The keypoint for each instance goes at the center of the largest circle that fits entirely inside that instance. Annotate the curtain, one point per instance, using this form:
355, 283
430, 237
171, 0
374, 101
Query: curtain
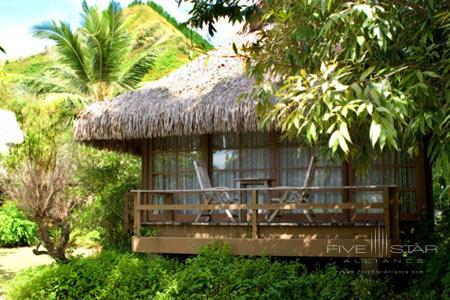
393, 169
293, 162
173, 167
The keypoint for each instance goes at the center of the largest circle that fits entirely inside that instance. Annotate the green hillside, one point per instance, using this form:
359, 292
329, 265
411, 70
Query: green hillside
151, 29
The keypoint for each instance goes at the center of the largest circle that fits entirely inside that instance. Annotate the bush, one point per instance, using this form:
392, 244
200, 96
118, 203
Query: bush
109, 275
15, 229
213, 274
216, 274
106, 177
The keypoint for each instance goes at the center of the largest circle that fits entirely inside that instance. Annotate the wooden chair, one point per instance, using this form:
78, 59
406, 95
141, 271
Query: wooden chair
214, 197
298, 197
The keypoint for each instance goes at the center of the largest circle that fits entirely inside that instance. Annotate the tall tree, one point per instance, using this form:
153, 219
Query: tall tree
353, 77
93, 58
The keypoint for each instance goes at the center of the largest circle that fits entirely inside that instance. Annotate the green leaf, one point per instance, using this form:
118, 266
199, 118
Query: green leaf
235, 50
360, 39
374, 132
366, 9
312, 133
342, 143
138, 70
357, 89
344, 130
431, 74
366, 73
370, 108
334, 142
361, 109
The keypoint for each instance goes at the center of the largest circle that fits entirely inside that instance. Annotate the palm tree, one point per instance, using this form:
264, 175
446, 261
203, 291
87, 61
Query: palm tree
92, 58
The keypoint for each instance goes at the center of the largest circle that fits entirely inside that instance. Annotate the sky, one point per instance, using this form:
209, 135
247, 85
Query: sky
18, 16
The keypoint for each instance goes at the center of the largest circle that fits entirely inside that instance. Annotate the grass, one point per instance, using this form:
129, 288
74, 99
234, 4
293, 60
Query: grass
27, 67
13, 260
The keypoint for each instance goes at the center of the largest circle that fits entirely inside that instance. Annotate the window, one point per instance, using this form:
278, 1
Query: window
225, 159
173, 166
293, 162
392, 169
237, 156
252, 155
255, 157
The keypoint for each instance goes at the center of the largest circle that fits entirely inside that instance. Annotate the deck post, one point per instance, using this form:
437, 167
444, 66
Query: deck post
137, 214
254, 215
126, 213
394, 209
169, 200
387, 217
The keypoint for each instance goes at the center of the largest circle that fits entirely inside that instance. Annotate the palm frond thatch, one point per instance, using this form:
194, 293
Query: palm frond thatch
201, 97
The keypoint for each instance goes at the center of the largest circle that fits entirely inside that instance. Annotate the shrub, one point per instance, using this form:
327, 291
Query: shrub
15, 229
216, 274
213, 274
109, 275
106, 177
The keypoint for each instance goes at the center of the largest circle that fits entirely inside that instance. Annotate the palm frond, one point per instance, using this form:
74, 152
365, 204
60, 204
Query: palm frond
2, 50
133, 76
107, 41
67, 75
42, 86
68, 44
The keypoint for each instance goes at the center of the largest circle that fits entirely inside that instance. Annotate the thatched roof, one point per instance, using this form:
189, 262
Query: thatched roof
204, 96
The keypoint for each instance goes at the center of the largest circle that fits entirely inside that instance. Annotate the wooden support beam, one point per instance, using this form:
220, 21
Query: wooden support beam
387, 218
394, 209
255, 215
137, 214
169, 200
274, 247
288, 206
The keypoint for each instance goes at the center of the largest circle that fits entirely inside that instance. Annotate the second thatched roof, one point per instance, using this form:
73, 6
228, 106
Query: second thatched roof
204, 96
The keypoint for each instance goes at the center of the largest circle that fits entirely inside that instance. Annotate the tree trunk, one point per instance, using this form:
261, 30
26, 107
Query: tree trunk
56, 251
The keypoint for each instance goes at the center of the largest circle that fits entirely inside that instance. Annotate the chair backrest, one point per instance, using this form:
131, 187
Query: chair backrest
309, 178
202, 175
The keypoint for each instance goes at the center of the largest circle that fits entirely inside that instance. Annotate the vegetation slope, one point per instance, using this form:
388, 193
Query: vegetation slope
149, 26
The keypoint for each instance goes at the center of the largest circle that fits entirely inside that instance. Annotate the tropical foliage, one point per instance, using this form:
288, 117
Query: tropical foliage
41, 179
92, 58
15, 229
213, 274
379, 66
196, 39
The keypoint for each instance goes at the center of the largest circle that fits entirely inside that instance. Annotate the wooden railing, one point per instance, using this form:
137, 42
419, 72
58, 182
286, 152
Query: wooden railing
389, 205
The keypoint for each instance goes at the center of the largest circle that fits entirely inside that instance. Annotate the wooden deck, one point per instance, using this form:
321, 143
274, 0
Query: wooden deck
344, 234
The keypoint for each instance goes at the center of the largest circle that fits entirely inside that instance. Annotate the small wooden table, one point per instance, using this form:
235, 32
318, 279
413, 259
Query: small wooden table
243, 182
248, 181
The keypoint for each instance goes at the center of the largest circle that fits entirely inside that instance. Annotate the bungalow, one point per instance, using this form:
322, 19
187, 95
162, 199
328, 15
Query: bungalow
196, 132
